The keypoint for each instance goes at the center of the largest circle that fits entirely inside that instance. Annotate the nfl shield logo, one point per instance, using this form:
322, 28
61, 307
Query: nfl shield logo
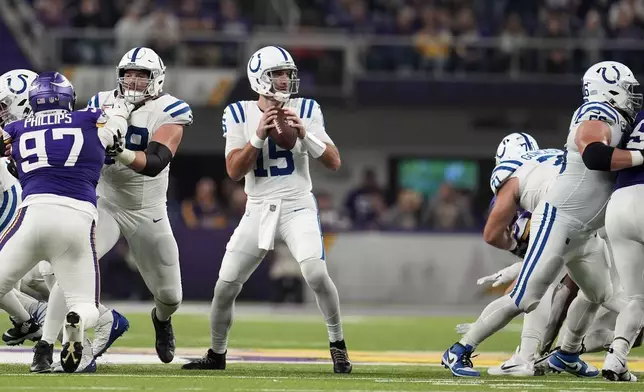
273, 207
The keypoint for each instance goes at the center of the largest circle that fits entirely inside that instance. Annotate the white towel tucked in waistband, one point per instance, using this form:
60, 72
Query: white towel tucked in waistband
268, 220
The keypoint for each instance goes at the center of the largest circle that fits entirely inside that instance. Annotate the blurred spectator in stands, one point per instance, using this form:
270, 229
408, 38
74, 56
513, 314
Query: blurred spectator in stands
194, 17
330, 218
52, 13
405, 214
286, 276
556, 59
228, 187
237, 206
465, 56
448, 210
130, 30
624, 27
634, 8
433, 41
163, 34
231, 23
512, 40
366, 204
203, 211
593, 34
406, 58
90, 16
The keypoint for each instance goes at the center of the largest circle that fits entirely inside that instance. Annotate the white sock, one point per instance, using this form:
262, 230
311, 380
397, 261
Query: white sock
494, 317
326, 296
580, 314
15, 309
55, 318
221, 314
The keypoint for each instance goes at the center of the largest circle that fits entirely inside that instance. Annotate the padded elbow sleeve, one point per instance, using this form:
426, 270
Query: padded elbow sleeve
158, 156
598, 156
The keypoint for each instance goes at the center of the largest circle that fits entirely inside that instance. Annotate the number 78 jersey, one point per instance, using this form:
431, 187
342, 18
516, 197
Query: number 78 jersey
121, 185
277, 173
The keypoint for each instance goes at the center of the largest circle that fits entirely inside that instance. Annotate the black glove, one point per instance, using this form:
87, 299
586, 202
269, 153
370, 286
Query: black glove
522, 248
116, 148
13, 169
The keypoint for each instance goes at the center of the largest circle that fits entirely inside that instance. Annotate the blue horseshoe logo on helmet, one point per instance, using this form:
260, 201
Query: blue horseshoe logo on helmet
609, 81
259, 63
22, 77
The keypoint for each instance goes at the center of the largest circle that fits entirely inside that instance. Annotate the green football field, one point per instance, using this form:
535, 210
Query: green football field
289, 352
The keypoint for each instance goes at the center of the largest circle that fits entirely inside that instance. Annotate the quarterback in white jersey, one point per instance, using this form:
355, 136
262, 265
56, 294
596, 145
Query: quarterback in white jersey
134, 180
564, 222
280, 202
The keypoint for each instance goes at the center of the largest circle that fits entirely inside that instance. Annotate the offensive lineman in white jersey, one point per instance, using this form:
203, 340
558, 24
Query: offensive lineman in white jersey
280, 202
133, 185
566, 218
534, 172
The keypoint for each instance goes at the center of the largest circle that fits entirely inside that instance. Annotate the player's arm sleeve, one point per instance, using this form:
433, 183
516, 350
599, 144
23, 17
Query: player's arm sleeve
311, 109
232, 124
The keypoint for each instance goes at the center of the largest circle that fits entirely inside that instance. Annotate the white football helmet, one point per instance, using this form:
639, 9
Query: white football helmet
14, 95
514, 145
144, 59
614, 83
261, 66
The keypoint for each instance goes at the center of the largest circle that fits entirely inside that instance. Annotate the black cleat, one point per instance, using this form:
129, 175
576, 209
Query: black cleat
210, 361
341, 362
72, 352
30, 329
165, 342
43, 358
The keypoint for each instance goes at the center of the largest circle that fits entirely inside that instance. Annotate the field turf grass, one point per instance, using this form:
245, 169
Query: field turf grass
395, 353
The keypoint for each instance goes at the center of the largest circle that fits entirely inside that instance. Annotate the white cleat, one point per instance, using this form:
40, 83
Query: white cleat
615, 369
515, 366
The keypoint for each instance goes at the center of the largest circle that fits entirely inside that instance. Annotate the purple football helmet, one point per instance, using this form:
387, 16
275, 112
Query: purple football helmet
51, 91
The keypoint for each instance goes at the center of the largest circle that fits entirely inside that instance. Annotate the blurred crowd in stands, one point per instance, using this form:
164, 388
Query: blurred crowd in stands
443, 35
365, 207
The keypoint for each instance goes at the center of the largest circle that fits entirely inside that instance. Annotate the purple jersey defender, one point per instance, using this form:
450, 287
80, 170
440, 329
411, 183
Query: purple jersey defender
633, 175
58, 153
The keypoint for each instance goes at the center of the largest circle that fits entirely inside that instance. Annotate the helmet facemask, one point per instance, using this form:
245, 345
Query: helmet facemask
5, 110
135, 89
633, 102
281, 88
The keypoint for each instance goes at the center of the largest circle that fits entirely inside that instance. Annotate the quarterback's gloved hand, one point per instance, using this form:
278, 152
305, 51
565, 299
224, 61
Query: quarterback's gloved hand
506, 275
